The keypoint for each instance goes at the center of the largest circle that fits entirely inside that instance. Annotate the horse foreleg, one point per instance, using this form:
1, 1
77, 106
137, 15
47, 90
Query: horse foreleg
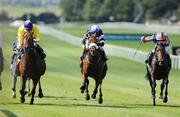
166, 91
83, 86
86, 90
154, 91
162, 88
29, 88
22, 90
95, 89
100, 93
14, 80
40, 90
33, 91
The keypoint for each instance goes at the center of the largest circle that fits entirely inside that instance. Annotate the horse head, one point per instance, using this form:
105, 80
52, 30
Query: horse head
28, 41
93, 49
160, 53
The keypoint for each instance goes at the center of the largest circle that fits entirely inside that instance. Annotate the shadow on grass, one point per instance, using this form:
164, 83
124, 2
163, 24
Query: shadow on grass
79, 103
61, 97
8, 113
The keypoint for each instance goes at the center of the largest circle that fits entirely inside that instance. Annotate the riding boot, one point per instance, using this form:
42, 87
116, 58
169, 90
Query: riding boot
40, 51
20, 53
103, 54
82, 56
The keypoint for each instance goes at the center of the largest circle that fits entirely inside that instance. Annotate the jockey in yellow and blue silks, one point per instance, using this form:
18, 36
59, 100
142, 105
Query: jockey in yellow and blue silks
161, 37
17, 45
30, 27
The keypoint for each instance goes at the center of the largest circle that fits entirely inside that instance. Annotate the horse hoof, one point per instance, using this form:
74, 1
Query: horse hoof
31, 102
29, 94
165, 100
22, 100
82, 88
25, 92
87, 97
14, 96
93, 96
100, 100
160, 97
40, 95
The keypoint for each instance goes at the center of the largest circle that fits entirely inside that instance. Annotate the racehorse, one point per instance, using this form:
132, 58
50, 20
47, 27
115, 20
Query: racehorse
94, 67
1, 66
30, 66
159, 70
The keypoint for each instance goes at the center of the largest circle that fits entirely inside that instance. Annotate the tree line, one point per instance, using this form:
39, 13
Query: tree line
119, 10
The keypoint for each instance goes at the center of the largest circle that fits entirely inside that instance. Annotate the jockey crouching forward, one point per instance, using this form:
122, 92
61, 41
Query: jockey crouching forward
100, 38
17, 45
161, 37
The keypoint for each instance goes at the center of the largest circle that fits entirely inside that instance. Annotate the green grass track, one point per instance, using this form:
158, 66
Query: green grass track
126, 92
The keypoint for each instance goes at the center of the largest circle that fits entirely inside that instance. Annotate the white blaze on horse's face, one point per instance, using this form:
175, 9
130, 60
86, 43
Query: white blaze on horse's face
92, 48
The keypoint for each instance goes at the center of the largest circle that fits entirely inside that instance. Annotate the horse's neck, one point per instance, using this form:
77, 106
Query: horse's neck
92, 59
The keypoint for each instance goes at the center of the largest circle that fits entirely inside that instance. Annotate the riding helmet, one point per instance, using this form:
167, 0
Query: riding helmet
94, 29
28, 25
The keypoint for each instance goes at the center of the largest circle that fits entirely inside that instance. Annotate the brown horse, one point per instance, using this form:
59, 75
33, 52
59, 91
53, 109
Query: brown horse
159, 69
30, 66
1, 66
94, 67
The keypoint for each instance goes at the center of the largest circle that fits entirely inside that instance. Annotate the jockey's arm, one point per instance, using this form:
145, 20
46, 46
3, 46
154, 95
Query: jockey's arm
36, 33
20, 33
101, 41
146, 39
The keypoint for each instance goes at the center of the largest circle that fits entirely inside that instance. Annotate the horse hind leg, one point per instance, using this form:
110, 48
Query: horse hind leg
162, 88
87, 91
165, 100
40, 90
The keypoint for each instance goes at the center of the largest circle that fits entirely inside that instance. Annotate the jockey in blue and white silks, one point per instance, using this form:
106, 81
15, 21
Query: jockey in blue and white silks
100, 37
161, 37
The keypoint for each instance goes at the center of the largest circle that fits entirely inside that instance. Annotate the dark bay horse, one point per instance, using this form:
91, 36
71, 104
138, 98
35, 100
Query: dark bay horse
159, 70
94, 67
1, 66
30, 66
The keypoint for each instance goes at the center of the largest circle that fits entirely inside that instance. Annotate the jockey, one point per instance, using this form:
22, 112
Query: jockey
161, 37
17, 45
100, 36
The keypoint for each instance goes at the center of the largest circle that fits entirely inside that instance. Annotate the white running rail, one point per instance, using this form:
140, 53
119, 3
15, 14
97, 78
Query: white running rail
112, 50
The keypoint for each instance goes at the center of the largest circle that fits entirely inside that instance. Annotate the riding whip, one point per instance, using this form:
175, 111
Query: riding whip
137, 48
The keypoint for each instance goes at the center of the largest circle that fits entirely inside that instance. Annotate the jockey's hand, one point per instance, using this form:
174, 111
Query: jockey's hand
142, 39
